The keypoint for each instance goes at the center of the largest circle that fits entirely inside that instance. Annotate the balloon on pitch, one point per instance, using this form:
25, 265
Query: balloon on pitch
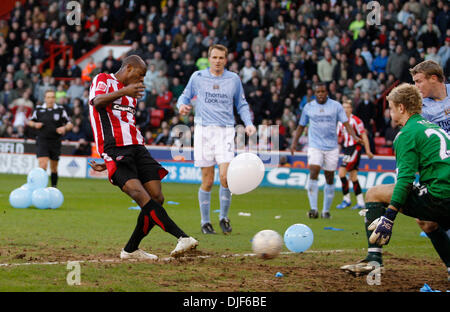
20, 198
56, 197
40, 198
37, 178
298, 237
245, 173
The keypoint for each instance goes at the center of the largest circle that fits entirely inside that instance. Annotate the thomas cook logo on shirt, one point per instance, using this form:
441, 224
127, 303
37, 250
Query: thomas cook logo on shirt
216, 87
321, 110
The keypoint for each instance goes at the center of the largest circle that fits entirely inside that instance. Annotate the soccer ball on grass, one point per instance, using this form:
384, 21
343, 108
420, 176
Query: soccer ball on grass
267, 244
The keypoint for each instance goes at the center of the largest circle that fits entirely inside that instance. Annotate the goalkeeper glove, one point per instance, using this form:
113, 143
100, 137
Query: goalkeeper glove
382, 228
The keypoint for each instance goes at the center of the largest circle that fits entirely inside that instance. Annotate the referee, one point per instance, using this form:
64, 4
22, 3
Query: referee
52, 122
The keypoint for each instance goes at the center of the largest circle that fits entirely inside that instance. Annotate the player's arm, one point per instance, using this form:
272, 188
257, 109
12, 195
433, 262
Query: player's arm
33, 123
184, 100
351, 131
244, 109
298, 134
102, 100
67, 126
366, 143
407, 166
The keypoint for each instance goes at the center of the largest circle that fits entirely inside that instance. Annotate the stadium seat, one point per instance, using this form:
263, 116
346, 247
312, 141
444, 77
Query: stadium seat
380, 141
386, 151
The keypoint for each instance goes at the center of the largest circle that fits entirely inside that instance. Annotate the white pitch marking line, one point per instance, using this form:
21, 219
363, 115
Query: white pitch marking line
161, 259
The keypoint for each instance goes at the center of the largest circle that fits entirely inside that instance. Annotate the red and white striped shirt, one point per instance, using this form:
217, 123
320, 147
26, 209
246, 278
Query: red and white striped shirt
114, 125
358, 127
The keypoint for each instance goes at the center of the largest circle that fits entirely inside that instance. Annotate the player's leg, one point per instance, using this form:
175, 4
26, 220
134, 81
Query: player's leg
331, 159
313, 191
54, 150
43, 162
315, 161
150, 174
439, 238
328, 194
352, 167
346, 201
224, 154
225, 199
204, 158
357, 189
204, 199
54, 172
377, 199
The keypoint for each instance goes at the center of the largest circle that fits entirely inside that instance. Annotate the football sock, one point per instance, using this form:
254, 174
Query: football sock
143, 227
313, 190
358, 193
160, 217
441, 243
374, 210
328, 196
152, 213
54, 179
225, 201
345, 189
204, 200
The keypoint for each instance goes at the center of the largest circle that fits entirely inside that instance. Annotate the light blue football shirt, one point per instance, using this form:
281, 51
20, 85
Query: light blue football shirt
322, 120
216, 96
438, 112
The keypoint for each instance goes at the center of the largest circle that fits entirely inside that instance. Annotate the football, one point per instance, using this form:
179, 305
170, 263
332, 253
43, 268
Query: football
267, 244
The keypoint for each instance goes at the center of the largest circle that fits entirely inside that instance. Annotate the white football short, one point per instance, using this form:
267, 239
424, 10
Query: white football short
328, 160
213, 145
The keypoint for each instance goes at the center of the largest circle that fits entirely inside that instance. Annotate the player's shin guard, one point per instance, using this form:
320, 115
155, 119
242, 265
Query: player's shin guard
160, 217
328, 196
313, 192
225, 202
345, 187
441, 244
143, 227
204, 200
374, 210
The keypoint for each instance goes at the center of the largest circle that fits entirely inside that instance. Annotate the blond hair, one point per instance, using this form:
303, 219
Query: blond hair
219, 47
408, 95
428, 68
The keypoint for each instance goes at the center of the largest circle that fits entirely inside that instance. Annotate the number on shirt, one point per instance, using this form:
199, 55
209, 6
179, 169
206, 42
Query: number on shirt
444, 152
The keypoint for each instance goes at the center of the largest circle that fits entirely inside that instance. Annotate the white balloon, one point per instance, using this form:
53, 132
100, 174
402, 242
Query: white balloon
245, 173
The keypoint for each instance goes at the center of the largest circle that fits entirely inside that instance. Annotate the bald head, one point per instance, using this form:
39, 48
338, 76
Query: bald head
133, 70
133, 60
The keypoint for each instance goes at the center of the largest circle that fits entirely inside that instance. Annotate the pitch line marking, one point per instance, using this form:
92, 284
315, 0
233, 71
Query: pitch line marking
167, 259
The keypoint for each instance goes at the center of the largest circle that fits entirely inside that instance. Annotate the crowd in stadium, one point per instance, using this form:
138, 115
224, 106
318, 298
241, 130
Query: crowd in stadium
279, 49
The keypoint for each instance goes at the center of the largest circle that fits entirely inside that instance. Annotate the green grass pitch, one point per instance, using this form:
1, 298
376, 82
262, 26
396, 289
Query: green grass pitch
94, 222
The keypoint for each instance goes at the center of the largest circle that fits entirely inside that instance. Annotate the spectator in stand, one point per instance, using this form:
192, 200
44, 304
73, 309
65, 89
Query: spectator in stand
87, 70
397, 62
164, 100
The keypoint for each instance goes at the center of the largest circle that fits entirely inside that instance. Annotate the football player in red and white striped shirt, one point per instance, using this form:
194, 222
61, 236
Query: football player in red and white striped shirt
112, 106
352, 156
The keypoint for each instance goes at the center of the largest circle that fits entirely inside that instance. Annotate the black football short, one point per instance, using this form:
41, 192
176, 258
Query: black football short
48, 148
422, 205
352, 156
132, 162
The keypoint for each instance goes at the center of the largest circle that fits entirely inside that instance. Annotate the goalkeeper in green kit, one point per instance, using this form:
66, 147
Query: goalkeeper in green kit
422, 147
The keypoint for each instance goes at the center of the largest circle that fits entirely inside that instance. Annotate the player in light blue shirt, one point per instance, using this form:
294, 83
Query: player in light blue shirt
322, 116
429, 78
217, 91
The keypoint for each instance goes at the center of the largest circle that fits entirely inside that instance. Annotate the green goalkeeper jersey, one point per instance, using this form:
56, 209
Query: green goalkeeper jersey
423, 147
